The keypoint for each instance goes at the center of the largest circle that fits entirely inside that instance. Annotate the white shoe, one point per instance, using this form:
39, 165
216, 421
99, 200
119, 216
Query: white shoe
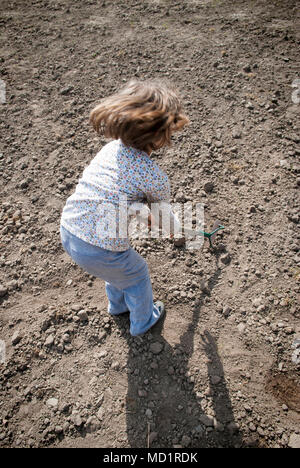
160, 307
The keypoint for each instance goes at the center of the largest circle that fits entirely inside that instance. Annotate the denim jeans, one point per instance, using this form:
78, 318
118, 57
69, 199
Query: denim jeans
126, 275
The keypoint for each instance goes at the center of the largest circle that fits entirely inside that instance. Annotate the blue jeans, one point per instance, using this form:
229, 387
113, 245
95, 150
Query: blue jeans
126, 275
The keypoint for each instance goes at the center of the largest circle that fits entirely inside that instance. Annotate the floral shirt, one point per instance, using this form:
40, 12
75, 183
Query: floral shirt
117, 177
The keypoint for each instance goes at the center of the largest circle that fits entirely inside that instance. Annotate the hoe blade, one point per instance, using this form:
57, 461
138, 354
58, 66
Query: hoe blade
217, 224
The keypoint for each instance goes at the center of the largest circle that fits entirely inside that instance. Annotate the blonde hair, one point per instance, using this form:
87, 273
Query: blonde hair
144, 115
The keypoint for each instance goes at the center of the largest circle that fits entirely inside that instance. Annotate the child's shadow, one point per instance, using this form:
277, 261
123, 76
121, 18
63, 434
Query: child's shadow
162, 408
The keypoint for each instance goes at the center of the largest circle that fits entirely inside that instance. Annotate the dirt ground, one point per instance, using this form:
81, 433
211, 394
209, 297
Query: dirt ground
222, 370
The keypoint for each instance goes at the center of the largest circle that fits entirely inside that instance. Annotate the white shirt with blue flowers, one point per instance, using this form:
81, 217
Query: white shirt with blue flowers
117, 175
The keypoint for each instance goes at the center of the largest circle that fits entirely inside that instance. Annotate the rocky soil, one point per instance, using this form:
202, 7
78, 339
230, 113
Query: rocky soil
222, 370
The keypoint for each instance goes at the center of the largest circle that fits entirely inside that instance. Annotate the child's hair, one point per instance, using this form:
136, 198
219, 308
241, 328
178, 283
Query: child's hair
144, 115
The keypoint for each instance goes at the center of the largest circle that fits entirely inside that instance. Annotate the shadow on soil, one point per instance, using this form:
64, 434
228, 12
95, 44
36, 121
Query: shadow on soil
161, 385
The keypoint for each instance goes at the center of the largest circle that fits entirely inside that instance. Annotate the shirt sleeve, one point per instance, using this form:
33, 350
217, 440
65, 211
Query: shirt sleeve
155, 183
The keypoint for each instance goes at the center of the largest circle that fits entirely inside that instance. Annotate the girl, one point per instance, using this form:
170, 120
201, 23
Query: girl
140, 118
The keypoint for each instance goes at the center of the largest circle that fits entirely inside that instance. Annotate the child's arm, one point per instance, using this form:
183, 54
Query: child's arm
157, 193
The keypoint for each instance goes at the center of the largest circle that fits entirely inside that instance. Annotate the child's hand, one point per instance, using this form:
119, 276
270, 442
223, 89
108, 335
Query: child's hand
151, 221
